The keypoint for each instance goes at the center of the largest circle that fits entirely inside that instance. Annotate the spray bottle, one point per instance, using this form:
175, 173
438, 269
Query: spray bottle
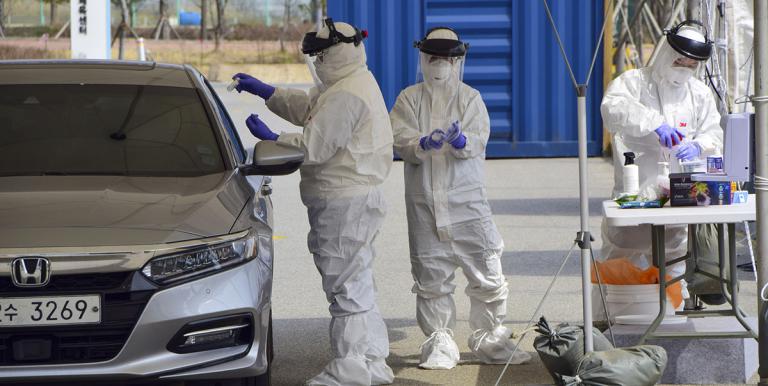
631, 175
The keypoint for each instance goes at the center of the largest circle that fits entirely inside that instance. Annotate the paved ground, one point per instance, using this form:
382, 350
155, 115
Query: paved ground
535, 205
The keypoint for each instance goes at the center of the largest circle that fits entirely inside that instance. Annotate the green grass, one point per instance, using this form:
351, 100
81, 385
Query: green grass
12, 52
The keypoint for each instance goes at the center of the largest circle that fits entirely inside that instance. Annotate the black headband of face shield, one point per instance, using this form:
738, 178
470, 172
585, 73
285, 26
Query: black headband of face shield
312, 45
689, 47
441, 47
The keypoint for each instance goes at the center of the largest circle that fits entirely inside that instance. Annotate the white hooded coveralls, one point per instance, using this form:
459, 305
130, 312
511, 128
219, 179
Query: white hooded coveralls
347, 141
449, 218
634, 105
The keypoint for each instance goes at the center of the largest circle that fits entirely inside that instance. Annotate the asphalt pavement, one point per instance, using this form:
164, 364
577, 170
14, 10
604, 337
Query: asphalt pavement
536, 208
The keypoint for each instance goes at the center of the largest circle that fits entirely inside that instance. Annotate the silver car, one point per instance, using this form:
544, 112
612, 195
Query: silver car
135, 230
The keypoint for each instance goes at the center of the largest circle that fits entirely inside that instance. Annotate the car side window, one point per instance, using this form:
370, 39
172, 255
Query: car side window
228, 124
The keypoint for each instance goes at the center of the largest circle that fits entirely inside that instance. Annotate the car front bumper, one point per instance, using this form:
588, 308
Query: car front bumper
242, 289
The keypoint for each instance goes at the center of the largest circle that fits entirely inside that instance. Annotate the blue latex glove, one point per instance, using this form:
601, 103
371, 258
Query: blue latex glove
252, 85
668, 135
688, 151
259, 129
455, 136
433, 141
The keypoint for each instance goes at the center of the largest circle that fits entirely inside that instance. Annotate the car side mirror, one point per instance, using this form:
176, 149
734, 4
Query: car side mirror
272, 158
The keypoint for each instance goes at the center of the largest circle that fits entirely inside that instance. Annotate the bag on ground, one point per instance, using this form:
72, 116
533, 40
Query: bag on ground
561, 349
706, 259
631, 366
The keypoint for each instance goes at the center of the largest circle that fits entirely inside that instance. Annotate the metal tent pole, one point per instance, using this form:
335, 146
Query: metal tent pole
760, 101
584, 235
583, 238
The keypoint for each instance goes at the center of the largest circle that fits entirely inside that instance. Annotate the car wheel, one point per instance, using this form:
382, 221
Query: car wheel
261, 380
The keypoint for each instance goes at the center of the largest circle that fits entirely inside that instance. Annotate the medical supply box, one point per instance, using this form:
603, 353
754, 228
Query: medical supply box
686, 192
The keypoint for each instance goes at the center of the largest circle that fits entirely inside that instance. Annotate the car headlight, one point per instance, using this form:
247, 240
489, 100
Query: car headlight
198, 262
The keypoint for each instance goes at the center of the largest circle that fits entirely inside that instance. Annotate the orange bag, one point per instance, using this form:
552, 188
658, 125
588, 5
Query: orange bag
623, 272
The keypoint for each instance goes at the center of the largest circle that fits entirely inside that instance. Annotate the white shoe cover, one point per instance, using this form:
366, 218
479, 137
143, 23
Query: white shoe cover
343, 372
495, 347
439, 351
381, 373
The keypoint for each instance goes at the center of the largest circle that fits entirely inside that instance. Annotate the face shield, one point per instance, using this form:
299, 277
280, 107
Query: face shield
312, 62
316, 46
682, 54
441, 56
688, 40
436, 69
673, 68
441, 68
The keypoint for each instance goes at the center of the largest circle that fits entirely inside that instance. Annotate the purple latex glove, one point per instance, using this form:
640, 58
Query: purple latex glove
259, 129
433, 141
455, 136
668, 135
252, 85
688, 151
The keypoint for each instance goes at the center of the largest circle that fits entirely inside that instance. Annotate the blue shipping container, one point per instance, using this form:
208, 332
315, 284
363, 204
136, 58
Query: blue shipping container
513, 60
189, 18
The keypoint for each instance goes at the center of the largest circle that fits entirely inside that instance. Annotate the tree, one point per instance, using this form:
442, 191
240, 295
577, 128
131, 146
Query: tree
310, 10
122, 27
288, 6
218, 32
133, 5
203, 17
163, 27
162, 23
54, 4
2, 18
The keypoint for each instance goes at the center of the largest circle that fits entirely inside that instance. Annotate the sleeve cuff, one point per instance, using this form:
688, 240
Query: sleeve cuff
655, 123
293, 139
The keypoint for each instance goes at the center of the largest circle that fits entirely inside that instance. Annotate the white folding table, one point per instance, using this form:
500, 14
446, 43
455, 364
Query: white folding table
658, 219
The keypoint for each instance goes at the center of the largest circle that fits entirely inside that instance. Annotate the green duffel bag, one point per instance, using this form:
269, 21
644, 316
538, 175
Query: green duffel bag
707, 259
561, 349
630, 366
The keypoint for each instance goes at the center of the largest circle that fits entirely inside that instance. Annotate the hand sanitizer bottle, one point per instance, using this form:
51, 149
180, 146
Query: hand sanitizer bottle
631, 175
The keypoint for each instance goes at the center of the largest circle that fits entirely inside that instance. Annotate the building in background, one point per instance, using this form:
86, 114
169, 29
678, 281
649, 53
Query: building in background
513, 60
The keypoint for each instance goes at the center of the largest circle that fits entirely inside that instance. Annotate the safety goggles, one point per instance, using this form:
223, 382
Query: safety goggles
451, 60
320, 56
686, 63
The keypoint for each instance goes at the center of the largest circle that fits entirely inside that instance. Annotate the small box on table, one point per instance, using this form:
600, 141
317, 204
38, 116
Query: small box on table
686, 192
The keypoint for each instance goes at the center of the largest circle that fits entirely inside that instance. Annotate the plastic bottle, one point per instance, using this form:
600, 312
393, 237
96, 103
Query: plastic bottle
631, 175
233, 84
662, 179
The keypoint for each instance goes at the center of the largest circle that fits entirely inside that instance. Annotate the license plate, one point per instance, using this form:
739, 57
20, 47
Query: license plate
50, 310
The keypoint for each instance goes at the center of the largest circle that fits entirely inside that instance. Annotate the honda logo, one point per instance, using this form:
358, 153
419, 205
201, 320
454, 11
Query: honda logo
31, 272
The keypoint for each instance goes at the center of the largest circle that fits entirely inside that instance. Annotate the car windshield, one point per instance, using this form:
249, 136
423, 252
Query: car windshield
85, 129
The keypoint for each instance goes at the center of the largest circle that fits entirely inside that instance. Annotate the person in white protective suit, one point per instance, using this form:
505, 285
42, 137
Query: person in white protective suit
441, 128
347, 141
661, 113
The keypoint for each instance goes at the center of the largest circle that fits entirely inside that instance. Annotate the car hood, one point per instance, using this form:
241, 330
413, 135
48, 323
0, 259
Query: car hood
74, 211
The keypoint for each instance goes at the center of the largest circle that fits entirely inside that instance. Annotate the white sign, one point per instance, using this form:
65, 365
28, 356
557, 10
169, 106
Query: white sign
90, 29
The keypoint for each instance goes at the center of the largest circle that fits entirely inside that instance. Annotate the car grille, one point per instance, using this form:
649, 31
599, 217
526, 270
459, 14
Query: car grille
74, 283
121, 308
